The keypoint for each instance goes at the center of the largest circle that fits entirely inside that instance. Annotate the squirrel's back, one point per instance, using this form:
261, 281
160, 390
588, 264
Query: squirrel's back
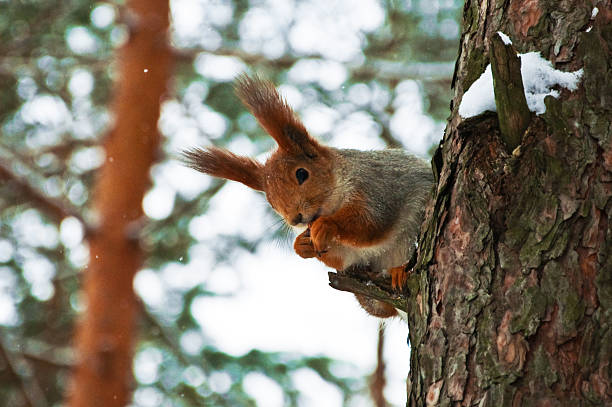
396, 186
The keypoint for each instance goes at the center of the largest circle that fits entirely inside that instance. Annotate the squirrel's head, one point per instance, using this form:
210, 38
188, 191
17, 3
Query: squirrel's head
298, 178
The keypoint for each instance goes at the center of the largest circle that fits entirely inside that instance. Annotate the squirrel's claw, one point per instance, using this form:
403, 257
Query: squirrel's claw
399, 276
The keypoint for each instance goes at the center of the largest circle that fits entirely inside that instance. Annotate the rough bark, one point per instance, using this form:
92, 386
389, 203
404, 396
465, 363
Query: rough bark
511, 301
106, 332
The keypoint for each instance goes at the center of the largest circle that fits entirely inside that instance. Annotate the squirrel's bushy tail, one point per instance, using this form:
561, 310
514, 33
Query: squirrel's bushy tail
274, 115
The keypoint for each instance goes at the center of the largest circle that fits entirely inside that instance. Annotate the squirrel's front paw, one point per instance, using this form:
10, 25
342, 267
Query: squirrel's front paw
303, 245
322, 234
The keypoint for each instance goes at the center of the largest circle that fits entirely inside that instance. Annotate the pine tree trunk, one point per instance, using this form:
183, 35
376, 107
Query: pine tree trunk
106, 332
511, 304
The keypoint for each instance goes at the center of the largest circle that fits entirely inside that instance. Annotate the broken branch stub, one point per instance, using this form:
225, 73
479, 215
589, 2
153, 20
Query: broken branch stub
512, 111
360, 282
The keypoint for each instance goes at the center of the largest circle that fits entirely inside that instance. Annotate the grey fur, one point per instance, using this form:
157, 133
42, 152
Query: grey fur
396, 186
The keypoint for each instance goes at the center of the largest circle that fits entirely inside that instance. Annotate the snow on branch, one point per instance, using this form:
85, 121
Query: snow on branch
539, 80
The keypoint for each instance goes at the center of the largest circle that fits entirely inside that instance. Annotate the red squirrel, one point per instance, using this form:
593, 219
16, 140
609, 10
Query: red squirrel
360, 207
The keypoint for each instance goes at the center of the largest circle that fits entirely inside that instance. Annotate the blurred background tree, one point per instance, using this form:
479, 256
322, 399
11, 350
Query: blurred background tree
370, 75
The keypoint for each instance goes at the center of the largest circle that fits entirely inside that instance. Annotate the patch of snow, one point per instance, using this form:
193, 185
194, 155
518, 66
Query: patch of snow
479, 97
539, 78
594, 13
505, 38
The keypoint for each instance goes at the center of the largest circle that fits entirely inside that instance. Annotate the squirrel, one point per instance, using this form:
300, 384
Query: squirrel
361, 208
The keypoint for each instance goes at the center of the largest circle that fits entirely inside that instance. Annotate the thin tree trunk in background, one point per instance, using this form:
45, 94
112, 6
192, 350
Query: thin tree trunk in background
377, 380
106, 333
511, 304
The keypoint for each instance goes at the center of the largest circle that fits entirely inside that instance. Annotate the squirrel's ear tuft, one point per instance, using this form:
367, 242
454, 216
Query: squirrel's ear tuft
275, 116
225, 164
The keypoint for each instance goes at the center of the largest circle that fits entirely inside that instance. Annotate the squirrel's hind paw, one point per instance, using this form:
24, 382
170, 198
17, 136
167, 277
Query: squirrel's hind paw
399, 276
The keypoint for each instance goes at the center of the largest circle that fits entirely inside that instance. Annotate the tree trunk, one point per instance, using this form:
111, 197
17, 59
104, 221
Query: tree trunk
511, 301
105, 334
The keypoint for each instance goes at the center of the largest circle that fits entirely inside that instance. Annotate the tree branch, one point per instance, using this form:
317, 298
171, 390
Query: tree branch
377, 380
514, 115
30, 389
49, 360
378, 69
167, 336
55, 208
397, 71
365, 282
44, 353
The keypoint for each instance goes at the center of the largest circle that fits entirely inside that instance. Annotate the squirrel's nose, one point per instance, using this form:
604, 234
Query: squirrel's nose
297, 219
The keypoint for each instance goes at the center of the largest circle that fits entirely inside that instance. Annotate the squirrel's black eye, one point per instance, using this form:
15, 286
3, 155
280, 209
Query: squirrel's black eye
302, 175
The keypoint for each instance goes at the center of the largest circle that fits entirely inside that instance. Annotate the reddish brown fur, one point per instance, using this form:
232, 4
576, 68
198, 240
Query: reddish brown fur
349, 225
332, 261
283, 191
376, 308
399, 276
225, 164
296, 149
303, 245
274, 115
304, 248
